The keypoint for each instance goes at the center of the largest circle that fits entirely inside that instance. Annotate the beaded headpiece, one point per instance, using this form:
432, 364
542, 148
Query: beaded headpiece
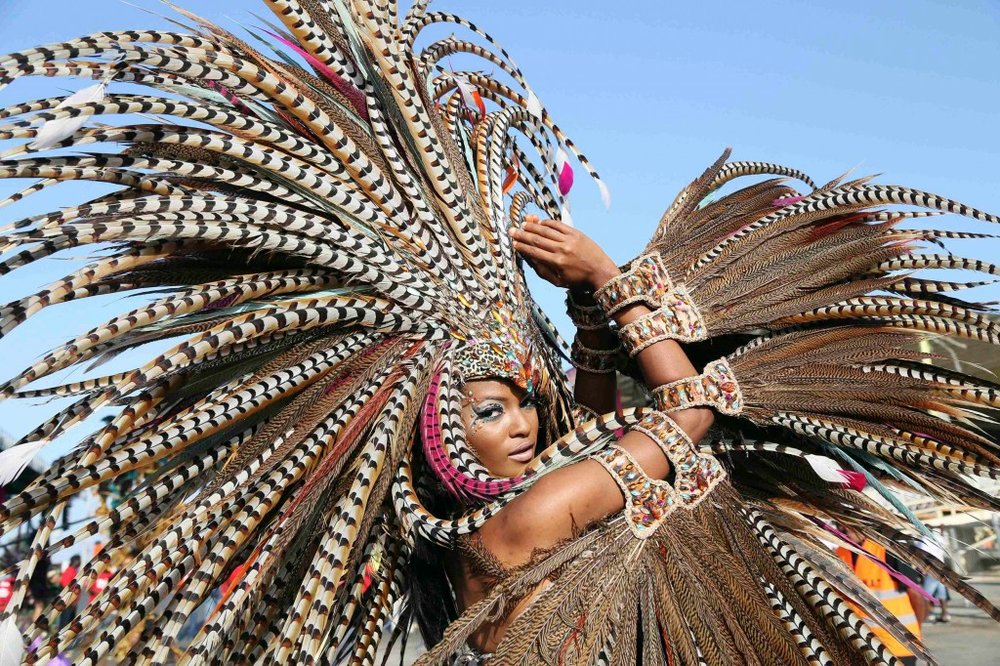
504, 351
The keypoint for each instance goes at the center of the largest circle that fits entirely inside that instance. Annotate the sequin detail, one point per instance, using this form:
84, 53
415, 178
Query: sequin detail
647, 501
585, 317
506, 352
646, 281
676, 319
694, 473
716, 387
596, 361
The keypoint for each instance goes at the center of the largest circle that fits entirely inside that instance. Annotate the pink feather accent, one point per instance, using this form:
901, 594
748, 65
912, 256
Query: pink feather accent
787, 201
457, 482
564, 172
854, 480
345, 88
231, 96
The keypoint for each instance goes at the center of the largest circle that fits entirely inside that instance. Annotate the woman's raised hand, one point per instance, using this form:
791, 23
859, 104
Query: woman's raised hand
563, 255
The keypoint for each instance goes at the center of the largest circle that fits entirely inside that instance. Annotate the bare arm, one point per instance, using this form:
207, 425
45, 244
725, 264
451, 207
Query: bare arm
595, 391
570, 499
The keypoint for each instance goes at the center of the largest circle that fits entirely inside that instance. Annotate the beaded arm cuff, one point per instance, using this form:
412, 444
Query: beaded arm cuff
585, 317
596, 361
694, 473
646, 281
648, 502
677, 318
674, 315
716, 387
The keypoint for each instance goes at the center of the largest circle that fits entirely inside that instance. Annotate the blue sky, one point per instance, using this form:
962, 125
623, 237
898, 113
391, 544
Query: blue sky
652, 92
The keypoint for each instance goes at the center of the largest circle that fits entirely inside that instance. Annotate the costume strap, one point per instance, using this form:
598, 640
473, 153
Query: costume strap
597, 361
586, 316
674, 317
716, 387
648, 501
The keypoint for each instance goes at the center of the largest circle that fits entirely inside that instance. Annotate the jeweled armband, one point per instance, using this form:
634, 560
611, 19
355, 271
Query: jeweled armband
586, 317
647, 501
716, 387
677, 318
646, 281
695, 473
674, 317
596, 361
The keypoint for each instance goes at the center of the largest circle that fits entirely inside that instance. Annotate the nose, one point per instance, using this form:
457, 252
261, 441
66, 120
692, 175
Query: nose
520, 425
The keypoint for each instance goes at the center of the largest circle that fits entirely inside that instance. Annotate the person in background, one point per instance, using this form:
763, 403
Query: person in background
65, 580
885, 589
934, 587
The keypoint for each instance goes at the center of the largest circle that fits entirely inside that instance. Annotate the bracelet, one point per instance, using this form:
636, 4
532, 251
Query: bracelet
674, 317
585, 317
596, 361
716, 387
647, 501
695, 473
677, 318
646, 281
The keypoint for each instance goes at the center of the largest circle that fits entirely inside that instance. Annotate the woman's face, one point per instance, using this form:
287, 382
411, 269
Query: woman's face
501, 425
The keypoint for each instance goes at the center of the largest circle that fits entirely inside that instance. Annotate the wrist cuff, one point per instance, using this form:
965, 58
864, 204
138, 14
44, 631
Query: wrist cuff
716, 387
597, 361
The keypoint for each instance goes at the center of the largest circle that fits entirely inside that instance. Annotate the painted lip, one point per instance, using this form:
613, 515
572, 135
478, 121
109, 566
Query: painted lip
523, 453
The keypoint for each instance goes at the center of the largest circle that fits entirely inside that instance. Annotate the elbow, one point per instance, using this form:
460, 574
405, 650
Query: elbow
702, 422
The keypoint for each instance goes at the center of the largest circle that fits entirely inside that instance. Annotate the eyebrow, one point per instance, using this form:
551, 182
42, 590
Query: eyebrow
491, 396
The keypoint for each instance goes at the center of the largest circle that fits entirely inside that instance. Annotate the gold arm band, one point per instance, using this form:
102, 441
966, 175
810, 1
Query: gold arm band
677, 318
647, 501
646, 281
716, 387
585, 316
597, 361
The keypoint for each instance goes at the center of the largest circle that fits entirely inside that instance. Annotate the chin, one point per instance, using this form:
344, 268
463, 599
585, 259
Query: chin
515, 469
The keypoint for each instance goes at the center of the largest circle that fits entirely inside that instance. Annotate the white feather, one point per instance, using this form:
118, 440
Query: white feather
16, 458
59, 129
605, 193
825, 468
534, 105
11, 644
564, 215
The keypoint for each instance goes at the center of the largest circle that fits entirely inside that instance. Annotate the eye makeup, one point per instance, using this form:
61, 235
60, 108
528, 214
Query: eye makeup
488, 411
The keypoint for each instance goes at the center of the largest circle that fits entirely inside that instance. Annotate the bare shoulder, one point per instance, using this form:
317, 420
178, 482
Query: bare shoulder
556, 507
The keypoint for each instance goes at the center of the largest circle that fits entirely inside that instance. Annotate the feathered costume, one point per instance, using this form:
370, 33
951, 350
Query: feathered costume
324, 235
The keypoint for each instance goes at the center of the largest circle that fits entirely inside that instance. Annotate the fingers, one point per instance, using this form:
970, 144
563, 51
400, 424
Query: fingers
533, 252
553, 229
531, 236
556, 227
543, 230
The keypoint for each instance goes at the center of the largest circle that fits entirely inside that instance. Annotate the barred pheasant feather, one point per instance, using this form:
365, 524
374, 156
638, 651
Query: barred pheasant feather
319, 232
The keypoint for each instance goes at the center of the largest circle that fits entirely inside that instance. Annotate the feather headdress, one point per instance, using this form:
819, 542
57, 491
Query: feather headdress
327, 241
